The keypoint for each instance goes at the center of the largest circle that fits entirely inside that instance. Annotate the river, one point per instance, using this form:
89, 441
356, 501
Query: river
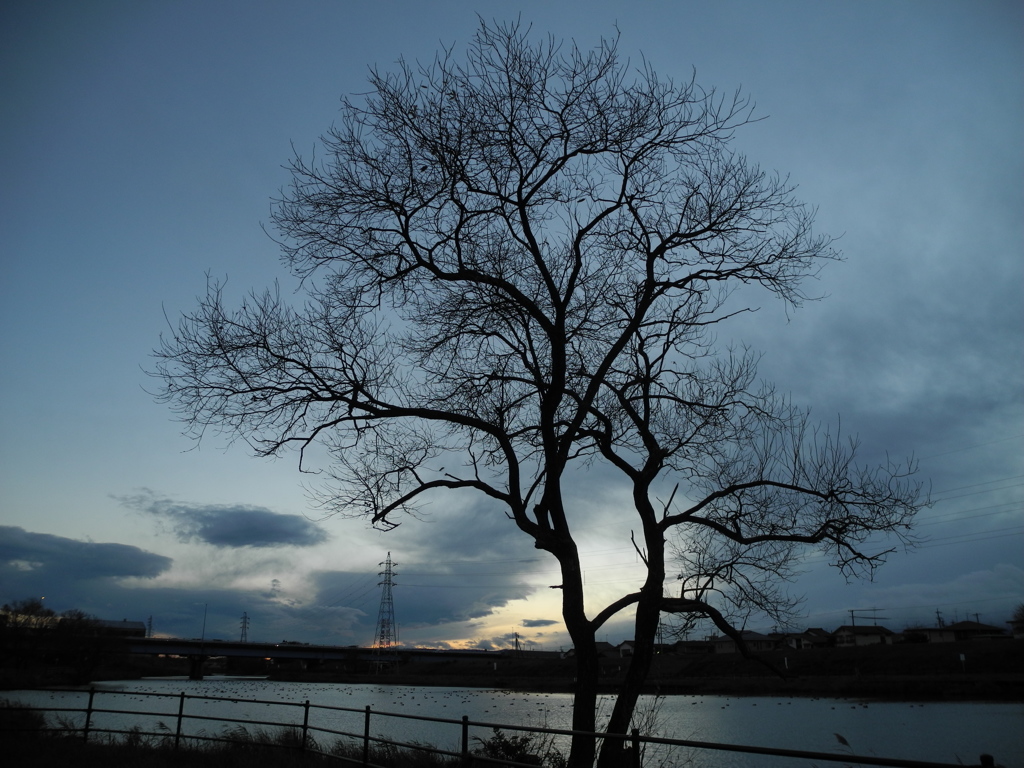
950, 732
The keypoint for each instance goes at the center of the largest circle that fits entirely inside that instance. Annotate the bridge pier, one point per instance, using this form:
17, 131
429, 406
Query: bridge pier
195, 667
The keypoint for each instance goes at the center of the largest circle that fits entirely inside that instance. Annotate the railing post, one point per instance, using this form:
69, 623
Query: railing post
305, 724
366, 737
465, 740
177, 730
636, 747
88, 716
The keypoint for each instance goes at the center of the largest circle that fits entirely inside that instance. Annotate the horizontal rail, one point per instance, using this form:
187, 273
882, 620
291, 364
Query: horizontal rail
305, 727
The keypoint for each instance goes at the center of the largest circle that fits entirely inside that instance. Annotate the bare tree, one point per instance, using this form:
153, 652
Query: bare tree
1016, 621
28, 614
513, 264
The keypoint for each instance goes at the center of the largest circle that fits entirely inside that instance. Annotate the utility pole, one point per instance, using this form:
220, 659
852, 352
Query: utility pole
386, 636
938, 618
245, 628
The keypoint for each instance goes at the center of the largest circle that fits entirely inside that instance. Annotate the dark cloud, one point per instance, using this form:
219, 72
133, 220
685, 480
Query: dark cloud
424, 595
87, 576
451, 599
23, 552
74, 574
475, 563
531, 623
481, 533
229, 525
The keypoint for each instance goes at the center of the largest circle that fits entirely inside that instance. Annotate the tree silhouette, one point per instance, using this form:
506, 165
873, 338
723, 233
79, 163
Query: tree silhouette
513, 265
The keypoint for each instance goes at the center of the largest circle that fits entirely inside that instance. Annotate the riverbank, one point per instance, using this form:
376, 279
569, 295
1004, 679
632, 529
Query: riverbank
992, 688
972, 671
951, 672
28, 741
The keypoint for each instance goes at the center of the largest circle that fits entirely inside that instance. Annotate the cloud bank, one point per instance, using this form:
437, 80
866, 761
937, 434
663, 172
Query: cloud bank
24, 554
76, 574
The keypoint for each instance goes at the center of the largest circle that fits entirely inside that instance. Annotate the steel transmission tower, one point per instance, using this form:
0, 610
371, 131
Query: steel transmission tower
245, 628
386, 638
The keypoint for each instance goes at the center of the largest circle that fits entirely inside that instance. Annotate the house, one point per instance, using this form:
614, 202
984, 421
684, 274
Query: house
815, 637
626, 647
755, 642
974, 630
958, 632
849, 636
693, 647
604, 651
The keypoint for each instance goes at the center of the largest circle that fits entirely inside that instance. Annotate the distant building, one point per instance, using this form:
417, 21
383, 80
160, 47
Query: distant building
958, 632
693, 646
815, 637
755, 642
850, 636
626, 647
604, 651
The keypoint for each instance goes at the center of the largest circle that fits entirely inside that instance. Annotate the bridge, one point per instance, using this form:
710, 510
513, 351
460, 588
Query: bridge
197, 651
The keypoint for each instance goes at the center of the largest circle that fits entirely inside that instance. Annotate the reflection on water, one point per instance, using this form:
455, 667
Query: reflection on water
939, 731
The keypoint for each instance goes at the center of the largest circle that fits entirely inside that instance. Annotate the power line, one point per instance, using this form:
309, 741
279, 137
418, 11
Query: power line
962, 514
970, 541
1015, 528
1007, 596
976, 485
975, 493
972, 447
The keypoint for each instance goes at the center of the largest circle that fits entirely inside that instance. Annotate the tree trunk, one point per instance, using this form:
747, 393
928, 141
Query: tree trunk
614, 752
583, 634
584, 748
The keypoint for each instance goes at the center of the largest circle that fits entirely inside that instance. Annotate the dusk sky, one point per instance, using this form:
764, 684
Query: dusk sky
141, 144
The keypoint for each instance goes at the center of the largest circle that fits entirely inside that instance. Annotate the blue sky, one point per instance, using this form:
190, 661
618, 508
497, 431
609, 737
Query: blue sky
142, 142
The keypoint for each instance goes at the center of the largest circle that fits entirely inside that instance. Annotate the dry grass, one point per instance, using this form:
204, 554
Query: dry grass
28, 740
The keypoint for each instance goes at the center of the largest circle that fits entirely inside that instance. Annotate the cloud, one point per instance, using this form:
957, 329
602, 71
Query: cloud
424, 598
74, 574
229, 525
113, 581
23, 552
531, 623
991, 592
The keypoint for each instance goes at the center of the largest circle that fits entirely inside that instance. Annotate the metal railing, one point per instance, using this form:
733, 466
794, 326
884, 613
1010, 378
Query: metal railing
304, 731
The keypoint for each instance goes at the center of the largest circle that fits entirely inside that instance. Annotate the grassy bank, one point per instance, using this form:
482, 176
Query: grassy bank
27, 741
